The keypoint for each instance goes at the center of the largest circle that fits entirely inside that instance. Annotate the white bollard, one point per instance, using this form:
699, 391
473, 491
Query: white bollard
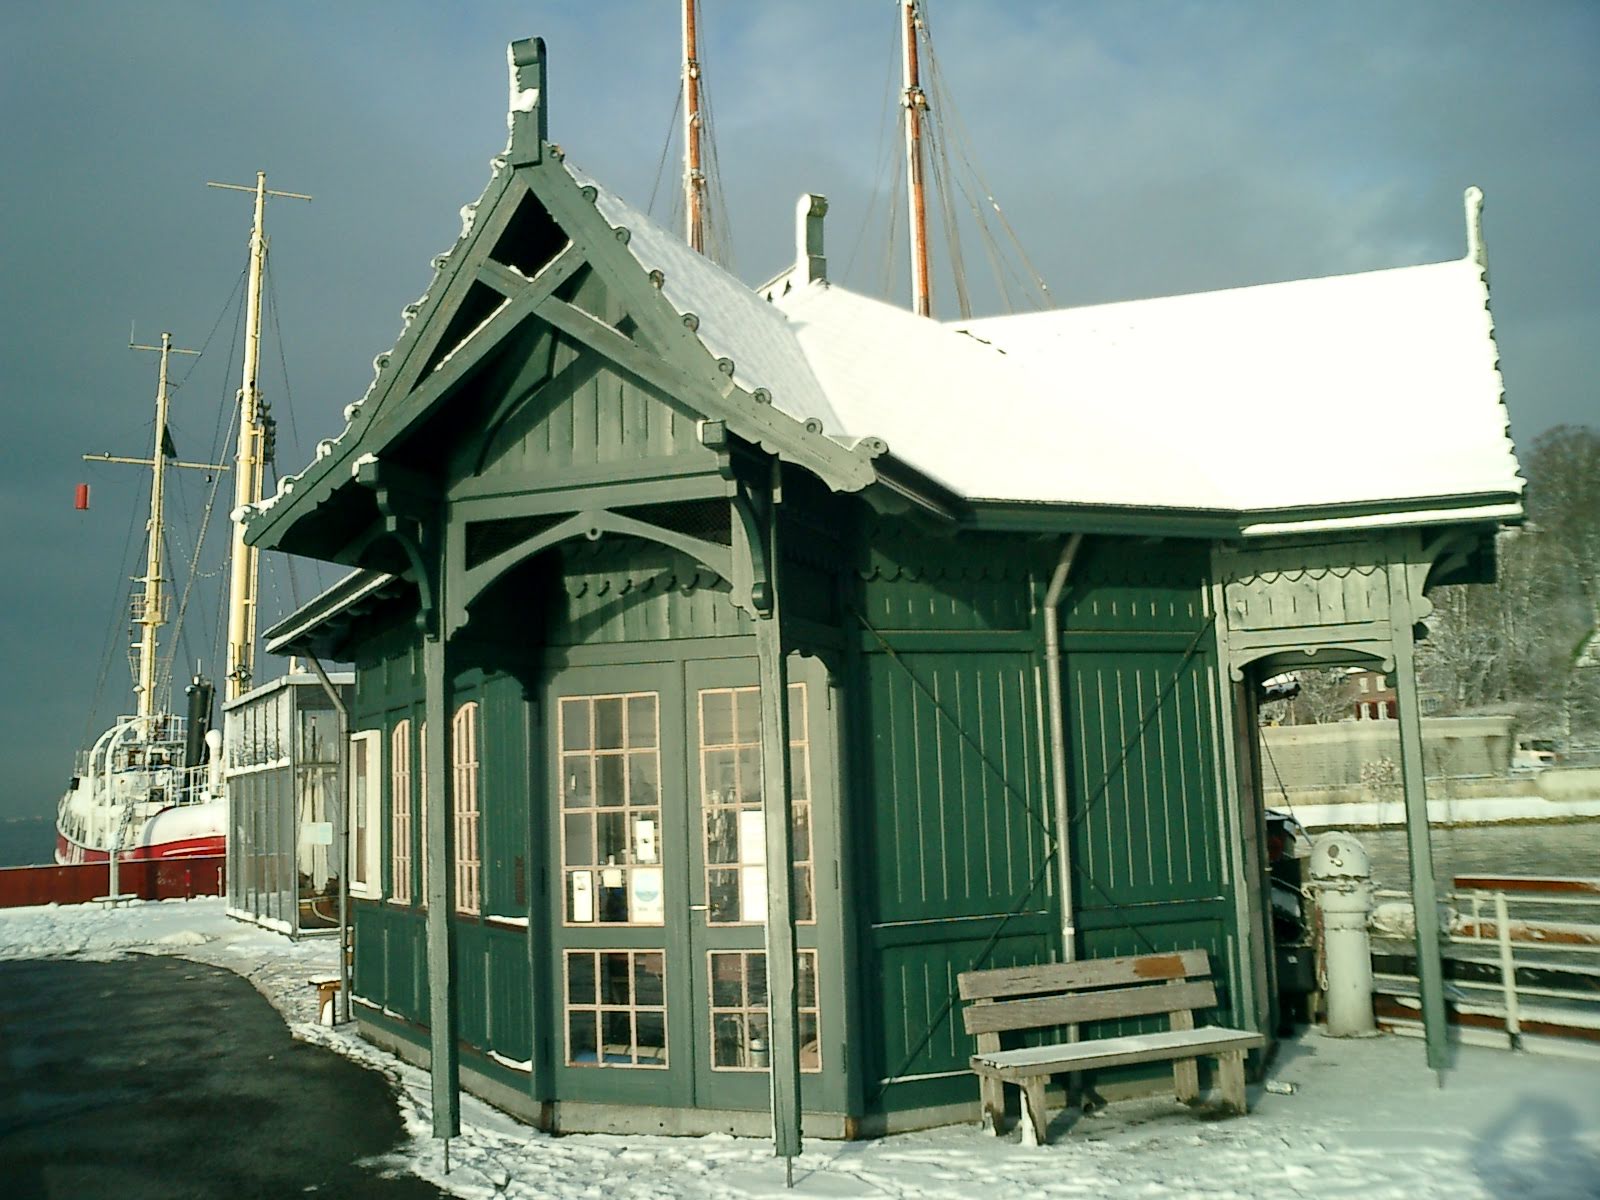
1341, 874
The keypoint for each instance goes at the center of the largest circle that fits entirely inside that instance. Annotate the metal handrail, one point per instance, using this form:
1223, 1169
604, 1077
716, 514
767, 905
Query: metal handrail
1507, 935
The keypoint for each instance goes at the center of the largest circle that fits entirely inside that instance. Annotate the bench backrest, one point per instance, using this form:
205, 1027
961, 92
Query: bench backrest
1038, 997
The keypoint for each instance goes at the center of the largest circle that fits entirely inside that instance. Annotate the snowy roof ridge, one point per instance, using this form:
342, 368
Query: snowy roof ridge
734, 322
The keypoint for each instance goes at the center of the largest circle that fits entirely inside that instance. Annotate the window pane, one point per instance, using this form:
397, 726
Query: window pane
581, 1042
810, 1044
804, 902
578, 829
721, 777
618, 1035
747, 714
613, 838
614, 977
576, 790
716, 718
799, 784
722, 836
750, 774
608, 723
722, 886
613, 895
727, 1039
643, 785
608, 786
580, 978
647, 982
800, 830
807, 979
756, 975
652, 1037
727, 980
797, 712
575, 724
758, 1046
641, 721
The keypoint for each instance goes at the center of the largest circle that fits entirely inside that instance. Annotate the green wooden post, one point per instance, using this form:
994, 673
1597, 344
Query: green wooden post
1430, 971
782, 984
444, 1067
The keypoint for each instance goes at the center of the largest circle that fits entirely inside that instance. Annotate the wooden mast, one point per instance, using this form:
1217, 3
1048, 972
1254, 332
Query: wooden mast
152, 614
694, 178
915, 103
243, 565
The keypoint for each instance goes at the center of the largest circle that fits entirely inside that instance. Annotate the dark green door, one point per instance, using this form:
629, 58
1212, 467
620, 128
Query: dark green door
618, 868
1146, 834
728, 882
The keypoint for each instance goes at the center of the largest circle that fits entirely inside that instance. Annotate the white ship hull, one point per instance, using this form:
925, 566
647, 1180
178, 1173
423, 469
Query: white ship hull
133, 793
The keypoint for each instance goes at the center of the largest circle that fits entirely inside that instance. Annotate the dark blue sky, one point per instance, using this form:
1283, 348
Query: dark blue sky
1138, 149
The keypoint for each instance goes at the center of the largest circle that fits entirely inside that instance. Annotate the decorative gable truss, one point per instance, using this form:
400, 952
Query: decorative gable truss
539, 293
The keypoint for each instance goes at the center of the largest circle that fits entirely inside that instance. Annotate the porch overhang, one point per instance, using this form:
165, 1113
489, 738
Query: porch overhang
320, 626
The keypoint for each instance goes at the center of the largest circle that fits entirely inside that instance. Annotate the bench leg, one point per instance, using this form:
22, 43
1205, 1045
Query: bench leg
1186, 1080
1035, 1119
1230, 1078
992, 1094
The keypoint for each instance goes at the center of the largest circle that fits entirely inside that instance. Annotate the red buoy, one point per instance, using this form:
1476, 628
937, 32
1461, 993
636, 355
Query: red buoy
83, 497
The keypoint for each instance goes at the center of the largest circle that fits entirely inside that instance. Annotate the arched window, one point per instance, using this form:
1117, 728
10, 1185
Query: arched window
400, 812
464, 761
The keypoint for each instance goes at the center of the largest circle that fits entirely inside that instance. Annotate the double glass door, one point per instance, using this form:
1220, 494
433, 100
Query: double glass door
658, 849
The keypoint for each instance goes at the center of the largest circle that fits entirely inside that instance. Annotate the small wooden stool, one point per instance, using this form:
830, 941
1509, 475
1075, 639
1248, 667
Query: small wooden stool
327, 992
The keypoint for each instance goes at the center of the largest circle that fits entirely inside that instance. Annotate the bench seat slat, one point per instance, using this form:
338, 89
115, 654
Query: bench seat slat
1041, 1012
1086, 973
1012, 1065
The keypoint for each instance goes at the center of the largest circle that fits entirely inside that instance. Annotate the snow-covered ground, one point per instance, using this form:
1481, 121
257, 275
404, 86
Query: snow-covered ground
1366, 1118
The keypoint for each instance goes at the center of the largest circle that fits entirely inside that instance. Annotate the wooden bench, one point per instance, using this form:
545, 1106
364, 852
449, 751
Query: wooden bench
1106, 989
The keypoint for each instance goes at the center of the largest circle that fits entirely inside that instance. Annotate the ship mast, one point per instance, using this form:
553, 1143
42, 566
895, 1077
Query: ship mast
243, 565
694, 177
915, 103
151, 609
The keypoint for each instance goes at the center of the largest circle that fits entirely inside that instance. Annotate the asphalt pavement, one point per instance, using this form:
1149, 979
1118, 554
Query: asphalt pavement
159, 1077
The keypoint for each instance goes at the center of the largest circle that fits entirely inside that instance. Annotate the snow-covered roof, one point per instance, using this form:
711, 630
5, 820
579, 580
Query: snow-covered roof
734, 322
1350, 390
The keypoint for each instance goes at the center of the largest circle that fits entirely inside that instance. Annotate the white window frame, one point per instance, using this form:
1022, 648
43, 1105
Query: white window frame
400, 812
465, 769
365, 824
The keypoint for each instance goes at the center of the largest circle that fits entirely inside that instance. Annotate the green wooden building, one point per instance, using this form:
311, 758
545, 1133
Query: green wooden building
783, 654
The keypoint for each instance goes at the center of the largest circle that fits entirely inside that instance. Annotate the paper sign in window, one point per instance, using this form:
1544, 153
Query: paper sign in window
583, 896
644, 885
644, 840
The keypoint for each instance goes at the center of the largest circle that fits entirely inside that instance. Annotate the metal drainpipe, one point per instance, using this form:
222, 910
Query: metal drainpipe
1058, 737
342, 837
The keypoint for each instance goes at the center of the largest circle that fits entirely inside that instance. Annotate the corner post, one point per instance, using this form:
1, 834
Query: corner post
1430, 973
444, 1067
777, 813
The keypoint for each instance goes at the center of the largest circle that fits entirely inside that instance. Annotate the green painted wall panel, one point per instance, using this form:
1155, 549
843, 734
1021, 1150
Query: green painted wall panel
1143, 783
1126, 585
957, 812
914, 986
586, 414
510, 1010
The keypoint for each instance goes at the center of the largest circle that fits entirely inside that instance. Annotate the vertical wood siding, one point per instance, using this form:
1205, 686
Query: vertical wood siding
586, 414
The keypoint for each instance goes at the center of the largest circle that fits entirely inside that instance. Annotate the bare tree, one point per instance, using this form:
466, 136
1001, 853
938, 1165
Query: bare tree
1563, 502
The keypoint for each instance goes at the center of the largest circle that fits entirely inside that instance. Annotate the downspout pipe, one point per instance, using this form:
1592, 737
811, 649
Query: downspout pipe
341, 830
1058, 738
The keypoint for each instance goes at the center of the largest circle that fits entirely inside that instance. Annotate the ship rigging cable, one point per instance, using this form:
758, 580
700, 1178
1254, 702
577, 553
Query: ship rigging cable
957, 182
